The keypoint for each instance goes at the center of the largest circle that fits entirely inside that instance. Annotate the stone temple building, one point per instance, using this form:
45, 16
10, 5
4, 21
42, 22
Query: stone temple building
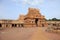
32, 19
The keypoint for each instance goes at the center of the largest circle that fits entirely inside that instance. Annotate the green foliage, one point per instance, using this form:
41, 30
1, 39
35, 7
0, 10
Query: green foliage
54, 19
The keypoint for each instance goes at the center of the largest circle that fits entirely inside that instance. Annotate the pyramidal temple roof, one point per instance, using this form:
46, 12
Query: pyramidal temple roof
33, 13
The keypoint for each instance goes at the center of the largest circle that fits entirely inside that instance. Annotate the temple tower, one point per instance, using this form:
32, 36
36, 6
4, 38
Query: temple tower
34, 18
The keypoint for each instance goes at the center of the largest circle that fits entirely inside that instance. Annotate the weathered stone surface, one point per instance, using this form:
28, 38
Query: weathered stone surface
32, 19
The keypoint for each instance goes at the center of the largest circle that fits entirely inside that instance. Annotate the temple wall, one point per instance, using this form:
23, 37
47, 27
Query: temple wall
40, 24
32, 19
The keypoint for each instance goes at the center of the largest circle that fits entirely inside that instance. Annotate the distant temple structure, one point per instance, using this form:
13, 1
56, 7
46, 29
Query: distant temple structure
32, 19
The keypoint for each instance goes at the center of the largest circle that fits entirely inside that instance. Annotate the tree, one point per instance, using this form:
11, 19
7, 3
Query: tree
54, 19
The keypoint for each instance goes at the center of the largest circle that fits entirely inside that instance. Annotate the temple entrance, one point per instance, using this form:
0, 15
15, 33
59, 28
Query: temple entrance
36, 21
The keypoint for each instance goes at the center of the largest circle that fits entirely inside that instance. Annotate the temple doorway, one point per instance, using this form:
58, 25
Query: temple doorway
36, 21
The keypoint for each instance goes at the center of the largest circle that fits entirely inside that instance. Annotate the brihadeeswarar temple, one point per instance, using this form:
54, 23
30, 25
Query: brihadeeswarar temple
33, 18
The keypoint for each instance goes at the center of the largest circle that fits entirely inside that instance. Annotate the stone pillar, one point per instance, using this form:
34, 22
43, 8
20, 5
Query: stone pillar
10, 25
2, 25
17, 25
51, 24
59, 24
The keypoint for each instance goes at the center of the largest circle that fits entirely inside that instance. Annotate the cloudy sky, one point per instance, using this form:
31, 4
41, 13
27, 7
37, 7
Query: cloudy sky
11, 9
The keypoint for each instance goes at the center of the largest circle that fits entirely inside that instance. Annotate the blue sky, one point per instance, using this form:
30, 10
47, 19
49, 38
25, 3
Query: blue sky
11, 9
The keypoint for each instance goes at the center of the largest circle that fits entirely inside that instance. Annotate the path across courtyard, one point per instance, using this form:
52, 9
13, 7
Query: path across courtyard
35, 33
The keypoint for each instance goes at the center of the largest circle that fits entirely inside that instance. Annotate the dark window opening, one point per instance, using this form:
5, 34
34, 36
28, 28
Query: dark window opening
6, 25
15, 25
12, 25
19, 25
48, 24
54, 24
42, 25
0, 25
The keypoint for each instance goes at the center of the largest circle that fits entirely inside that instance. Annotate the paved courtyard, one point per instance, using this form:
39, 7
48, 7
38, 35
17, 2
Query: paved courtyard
35, 33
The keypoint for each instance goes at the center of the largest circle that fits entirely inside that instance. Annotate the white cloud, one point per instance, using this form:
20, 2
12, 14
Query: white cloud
30, 2
35, 2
